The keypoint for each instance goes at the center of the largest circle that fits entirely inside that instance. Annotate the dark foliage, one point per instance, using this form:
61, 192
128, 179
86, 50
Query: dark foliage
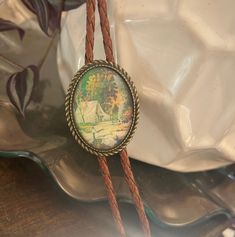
20, 87
49, 12
6, 25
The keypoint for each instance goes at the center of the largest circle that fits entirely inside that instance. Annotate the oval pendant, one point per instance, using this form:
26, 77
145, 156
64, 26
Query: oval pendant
102, 108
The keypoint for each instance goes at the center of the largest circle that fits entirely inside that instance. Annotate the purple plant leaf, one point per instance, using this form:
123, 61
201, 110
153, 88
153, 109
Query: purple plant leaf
67, 4
47, 15
20, 87
49, 12
6, 25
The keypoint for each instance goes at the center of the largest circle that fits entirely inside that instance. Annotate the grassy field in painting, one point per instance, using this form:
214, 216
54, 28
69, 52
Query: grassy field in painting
104, 133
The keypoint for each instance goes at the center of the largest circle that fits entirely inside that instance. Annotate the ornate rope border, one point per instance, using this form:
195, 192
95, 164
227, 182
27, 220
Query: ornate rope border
69, 107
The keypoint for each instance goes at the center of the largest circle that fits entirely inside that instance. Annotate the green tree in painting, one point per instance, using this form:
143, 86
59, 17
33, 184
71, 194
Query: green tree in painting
111, 91
116, 102
92, 86
127, 112
103, 88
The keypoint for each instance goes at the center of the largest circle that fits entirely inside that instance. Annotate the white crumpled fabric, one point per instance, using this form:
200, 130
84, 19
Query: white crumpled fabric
181, 56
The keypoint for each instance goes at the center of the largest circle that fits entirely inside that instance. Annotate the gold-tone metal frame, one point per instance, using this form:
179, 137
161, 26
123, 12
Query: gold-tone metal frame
69, 107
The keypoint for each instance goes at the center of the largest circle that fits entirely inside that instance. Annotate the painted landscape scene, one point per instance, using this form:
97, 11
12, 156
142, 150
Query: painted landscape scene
103, 108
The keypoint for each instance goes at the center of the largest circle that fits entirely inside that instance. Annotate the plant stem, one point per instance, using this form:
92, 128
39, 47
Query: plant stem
40, 64
3, 58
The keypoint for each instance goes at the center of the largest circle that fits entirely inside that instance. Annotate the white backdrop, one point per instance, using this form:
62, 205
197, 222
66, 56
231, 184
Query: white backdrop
181, 56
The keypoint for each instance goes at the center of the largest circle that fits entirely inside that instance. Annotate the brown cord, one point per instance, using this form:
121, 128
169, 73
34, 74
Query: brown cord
105, 28
125, 161
126, 165
89, 55
90, 29
111, 194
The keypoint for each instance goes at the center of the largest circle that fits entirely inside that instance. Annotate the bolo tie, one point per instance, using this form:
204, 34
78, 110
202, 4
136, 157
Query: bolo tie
102, 110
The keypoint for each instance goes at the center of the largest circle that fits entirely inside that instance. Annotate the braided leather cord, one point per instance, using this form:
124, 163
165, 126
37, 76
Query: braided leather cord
90, 29
105, 28
126, 165
125, 161
89, 55
111, 195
